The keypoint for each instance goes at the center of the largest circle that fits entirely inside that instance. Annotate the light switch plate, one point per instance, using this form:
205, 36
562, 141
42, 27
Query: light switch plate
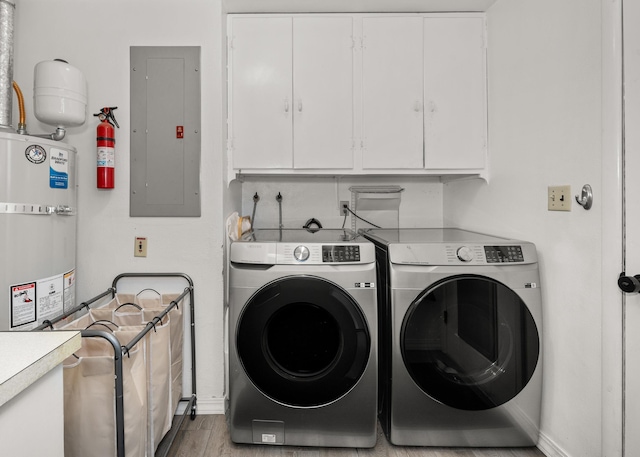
559, 198
140, 247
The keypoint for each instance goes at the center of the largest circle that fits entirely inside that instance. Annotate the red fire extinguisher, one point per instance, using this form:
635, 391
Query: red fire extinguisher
106, 139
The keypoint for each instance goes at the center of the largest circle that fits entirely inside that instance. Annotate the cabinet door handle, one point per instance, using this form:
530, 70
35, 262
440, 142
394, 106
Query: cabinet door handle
286, 105
417, 107
300, 105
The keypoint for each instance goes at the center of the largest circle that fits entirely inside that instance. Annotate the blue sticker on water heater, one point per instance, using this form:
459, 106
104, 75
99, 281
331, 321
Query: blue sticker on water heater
59, 169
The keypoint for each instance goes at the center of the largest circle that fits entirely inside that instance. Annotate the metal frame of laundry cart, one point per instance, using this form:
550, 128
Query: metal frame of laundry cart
121, 350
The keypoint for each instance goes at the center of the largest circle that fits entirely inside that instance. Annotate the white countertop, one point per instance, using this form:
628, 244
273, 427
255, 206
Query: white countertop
26, 356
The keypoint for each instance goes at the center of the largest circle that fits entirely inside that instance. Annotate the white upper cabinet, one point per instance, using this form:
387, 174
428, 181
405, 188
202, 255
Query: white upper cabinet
261, 93
392, 81
357, 94
455, 113
323, 92
291, 93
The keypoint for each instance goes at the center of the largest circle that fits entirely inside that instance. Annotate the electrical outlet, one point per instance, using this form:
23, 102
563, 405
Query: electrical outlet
140, 247
559, 198
344, 204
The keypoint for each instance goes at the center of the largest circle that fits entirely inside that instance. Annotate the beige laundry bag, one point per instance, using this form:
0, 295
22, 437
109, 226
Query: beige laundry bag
89, 397
158, 363
156, 303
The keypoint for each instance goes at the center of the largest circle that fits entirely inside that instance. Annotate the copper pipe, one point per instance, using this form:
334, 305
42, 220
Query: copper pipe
23, 116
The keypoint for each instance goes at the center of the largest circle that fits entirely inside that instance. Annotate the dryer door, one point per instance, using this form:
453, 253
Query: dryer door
470, 342
303, 341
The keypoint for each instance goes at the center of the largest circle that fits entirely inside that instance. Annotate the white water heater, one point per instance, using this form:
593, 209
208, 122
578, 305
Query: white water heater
37, 230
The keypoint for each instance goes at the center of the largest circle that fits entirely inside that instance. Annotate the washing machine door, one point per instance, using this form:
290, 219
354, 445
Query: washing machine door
470, 342
303, 341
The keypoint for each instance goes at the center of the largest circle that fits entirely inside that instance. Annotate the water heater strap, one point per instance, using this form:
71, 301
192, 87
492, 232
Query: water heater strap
27, 208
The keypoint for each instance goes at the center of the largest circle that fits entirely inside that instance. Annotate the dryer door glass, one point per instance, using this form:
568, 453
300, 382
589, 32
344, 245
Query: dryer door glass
303, 341
470, 342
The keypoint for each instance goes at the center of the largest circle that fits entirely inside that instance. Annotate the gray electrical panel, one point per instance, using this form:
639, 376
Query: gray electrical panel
165, 131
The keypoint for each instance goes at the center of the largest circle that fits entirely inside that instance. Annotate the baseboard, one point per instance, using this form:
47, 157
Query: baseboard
549, 447
204, 406
210, 406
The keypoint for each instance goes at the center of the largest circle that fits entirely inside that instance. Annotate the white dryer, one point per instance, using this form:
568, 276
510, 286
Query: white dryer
303, 339
460, 338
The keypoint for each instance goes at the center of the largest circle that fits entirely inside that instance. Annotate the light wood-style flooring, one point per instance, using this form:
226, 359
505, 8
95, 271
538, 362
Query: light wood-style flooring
208, 436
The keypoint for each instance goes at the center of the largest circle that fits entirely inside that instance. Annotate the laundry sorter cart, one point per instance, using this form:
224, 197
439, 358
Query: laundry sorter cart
106, 321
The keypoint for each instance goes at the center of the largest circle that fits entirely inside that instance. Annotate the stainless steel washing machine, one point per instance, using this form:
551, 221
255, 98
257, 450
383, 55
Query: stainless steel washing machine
302, 335
460, 338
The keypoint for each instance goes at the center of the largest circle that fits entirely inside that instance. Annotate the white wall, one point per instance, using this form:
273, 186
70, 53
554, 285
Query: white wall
545, 129
95, 37
304, 198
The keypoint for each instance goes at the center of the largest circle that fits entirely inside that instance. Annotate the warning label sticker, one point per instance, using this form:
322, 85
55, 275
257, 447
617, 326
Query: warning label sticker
36, 301
50, 297
23, 304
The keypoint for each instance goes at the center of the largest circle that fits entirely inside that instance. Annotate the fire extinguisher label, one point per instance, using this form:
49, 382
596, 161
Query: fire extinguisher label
59, 169
106, 157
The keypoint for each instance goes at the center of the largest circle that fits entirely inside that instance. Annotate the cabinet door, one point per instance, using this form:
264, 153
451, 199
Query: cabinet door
392, 93
261, 103
323, 92
455, 120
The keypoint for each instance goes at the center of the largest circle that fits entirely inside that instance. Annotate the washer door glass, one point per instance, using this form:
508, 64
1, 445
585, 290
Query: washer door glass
303, 341
470, 342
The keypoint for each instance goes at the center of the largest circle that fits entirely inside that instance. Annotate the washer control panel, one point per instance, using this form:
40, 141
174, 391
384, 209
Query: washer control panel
324, 253
301, 253
465, 254
503, 254
341, 253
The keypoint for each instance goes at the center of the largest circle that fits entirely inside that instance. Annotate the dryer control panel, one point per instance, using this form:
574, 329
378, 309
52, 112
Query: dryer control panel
462, 254
451, 246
